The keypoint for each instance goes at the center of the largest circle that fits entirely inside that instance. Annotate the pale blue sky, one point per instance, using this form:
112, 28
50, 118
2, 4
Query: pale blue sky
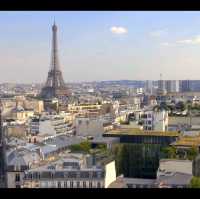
150, 43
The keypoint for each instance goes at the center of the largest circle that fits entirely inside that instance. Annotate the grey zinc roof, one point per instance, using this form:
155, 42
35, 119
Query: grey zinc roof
14, 158
104, 139
21, 157
176, 179
48, 149
59, 142
139, 181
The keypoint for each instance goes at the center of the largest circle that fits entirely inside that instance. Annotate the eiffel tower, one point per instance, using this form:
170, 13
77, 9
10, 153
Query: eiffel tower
55, 85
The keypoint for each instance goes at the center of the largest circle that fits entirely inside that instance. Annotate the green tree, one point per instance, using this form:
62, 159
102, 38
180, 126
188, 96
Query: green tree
102, 147
195, 182
192, 153
180, 106
162, 106
83, 146
169, 152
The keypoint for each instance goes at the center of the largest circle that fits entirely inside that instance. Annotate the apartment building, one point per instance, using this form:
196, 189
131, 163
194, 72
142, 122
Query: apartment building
71, 173
89, 126
152, 120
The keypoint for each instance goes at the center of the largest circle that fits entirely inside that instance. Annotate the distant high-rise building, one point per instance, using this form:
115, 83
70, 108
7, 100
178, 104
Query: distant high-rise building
161, 86
55, 85
185, 86
172, 86
149, 86
195, 85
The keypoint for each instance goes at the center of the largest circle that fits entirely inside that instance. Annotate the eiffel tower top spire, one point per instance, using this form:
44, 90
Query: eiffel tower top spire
54, 56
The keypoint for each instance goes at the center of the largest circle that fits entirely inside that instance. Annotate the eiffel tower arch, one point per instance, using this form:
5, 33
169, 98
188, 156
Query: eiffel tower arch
55, 85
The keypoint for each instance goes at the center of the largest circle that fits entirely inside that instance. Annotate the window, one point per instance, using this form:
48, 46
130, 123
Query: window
17, 177
65, 184
149, 121
90, 184
72, 174
99, 174
18, 186
84, 174
149, 115
71, 184
59, 184
30, 175
84, 184
17, 167
94, 174
98, 185
36, 175
78, 184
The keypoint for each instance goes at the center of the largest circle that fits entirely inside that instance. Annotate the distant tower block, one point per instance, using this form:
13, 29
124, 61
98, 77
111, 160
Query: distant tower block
55, 85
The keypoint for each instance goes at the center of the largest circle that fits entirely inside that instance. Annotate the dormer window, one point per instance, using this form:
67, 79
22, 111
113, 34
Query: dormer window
17, 167
17, 177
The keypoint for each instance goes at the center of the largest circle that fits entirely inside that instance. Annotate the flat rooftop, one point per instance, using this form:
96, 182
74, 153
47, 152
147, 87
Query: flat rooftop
122, 182
174, 166
136, 131
188, 141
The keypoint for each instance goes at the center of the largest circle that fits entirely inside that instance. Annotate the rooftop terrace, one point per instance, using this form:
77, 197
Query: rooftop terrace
188, 141
136, 131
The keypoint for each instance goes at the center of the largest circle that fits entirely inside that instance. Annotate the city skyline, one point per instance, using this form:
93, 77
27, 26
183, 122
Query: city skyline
99, 46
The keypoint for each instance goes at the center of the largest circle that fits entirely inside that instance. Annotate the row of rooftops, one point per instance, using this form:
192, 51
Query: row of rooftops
68, 163
21, 147
186, 140
176, 180
25, 154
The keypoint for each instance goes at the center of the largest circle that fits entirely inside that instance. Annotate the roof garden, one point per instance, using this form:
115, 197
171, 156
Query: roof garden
188, 141
136, 131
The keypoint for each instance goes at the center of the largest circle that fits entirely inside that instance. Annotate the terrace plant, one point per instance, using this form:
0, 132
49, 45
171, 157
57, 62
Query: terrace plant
195, 182
169, 152
82, 147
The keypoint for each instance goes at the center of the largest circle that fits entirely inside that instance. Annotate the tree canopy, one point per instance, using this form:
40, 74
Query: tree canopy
195, 182
83, 146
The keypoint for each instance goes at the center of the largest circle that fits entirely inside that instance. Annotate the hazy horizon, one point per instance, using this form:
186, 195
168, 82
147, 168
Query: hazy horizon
100, 46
